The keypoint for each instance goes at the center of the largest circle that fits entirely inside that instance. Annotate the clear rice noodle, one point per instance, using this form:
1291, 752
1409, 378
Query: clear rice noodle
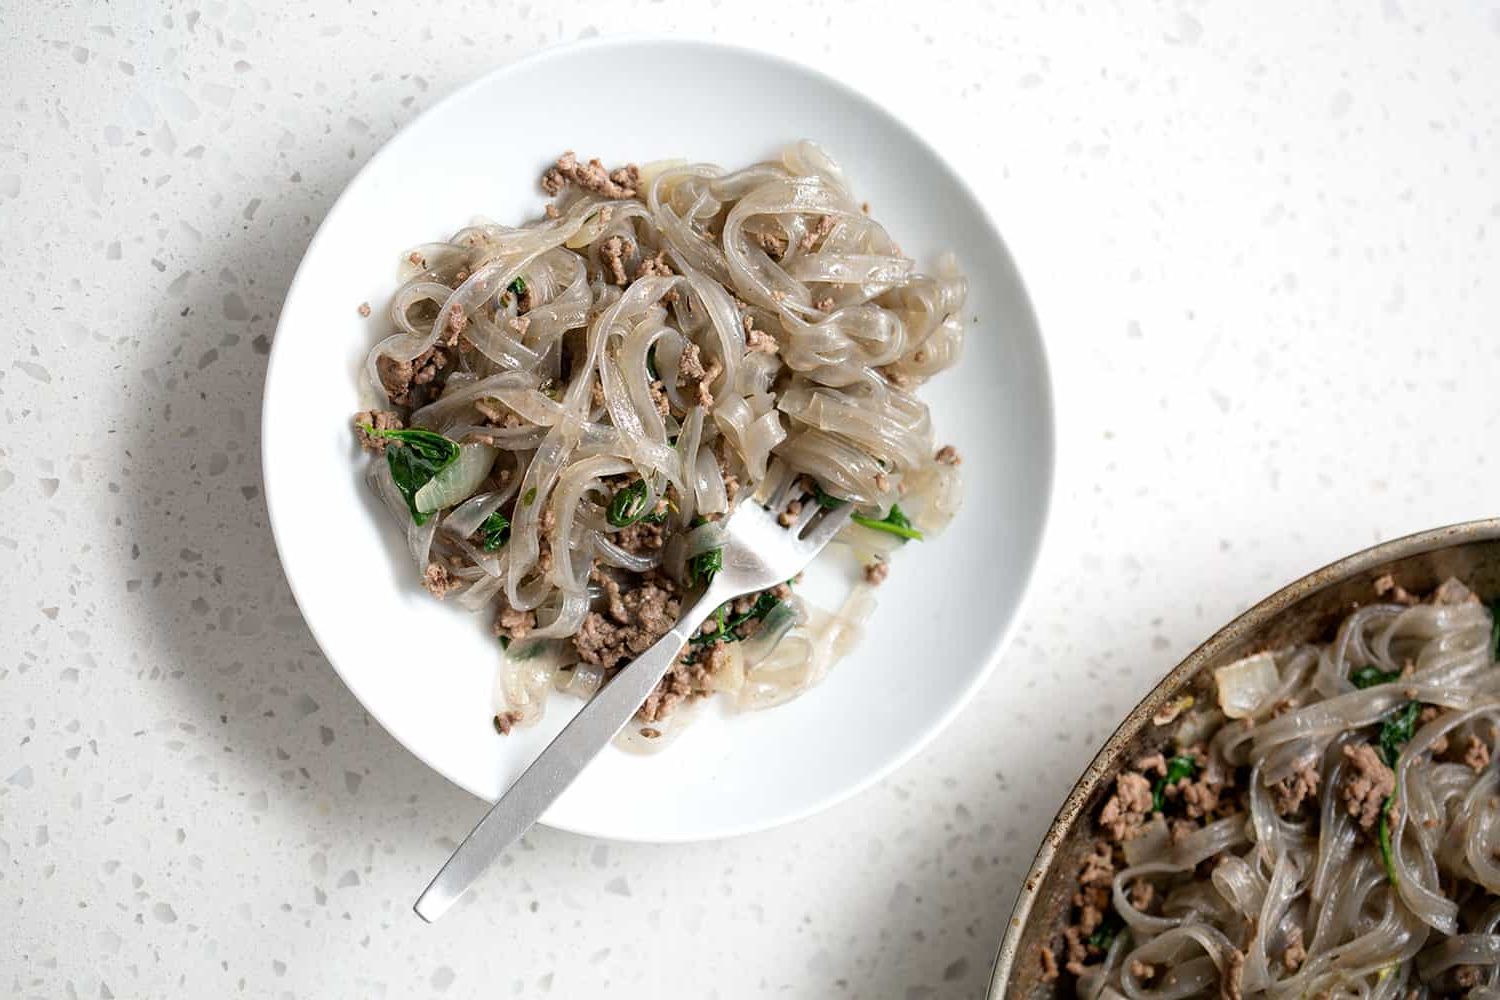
710, 336
1265, 898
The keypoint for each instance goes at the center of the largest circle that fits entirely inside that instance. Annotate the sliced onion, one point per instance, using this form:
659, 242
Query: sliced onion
1244, 684
458, 481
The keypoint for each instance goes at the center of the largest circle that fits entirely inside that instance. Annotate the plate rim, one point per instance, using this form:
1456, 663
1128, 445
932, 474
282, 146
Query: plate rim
1047, 441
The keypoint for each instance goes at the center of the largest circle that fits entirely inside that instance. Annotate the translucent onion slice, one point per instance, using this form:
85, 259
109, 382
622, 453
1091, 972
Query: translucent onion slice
458, 481
1244, 684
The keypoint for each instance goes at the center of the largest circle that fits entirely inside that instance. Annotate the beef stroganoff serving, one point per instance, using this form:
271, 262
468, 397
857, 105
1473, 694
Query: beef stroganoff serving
1325, 824
566, 410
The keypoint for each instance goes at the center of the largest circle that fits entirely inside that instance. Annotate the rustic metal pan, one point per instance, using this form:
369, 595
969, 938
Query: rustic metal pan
1308, 610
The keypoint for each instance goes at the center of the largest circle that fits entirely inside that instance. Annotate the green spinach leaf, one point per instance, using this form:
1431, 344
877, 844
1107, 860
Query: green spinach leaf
729, 623
494, 531
415, 456
1369, 676
1397, 730
1109, 929
704, 566
1385, 838
628, 505
1178, 767
895, 523
827, 500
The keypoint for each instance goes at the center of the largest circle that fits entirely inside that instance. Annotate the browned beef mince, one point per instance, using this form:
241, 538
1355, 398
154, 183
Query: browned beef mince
696, 376
1049, 965
438, 581
402, 380
378, 420
1229, 983
690, 366
1295, 953
773, 244
1387, 587
815, 233
689, 678
948, 455
620, 183
757, 339
1090, 906
513, 624
636, 618
1289, 794
876, 572
654, 266
659, 397
1366, 785
1439, 745
1126, 811
1477, 756
613, 251
458, 321
642, 537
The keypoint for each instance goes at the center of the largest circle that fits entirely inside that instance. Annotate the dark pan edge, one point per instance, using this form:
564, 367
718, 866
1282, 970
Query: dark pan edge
1304, 609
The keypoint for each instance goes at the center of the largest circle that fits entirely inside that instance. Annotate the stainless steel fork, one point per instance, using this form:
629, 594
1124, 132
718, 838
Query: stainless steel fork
758, 552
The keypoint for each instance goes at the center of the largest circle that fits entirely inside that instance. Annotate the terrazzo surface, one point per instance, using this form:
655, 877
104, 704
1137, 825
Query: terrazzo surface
1262, 243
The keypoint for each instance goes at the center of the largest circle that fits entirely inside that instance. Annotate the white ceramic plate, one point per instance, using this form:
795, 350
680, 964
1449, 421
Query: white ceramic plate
426, 670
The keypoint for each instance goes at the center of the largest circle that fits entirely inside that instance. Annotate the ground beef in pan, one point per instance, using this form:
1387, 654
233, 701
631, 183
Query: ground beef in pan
1366, 785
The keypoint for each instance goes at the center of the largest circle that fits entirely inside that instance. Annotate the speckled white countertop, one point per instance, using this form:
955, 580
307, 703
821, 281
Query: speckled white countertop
1263, 241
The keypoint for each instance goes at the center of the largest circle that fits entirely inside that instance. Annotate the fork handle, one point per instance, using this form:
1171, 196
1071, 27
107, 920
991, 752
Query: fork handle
560, 763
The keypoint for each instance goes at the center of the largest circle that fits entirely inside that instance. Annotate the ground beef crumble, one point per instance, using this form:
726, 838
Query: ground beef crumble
815, 233
643, 537
654, 266
620, 183
1289, 794
1477, 756
379, 420
698, 377
513, 624
876, 572
1126, 811
1366, 785
614, 250
1229, 982
774, 245
948, 455
636, 618
1439, 745
1090, 905
1049, 965
401, 379
1387, 587
438, 581
1295, 953
757, 339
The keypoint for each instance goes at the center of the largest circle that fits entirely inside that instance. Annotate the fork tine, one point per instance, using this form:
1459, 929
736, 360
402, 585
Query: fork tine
832, 520
786, 494
809, 510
